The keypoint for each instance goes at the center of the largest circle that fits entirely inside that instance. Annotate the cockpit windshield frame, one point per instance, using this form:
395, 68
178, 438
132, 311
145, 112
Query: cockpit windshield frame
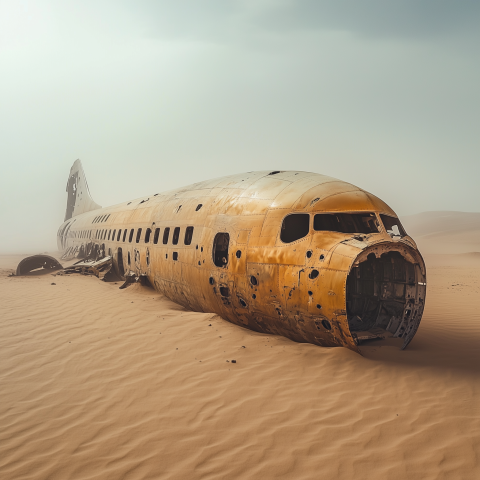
346, 222
393, 226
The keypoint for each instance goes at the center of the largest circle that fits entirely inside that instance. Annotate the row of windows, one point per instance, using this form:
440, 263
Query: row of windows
122, 234
104, 218
101, 218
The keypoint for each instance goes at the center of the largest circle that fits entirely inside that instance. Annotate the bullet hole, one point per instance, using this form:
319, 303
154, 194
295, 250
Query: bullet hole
310, 292
313, 274
309, 254
224, 292
254, 296
166, 255
211, 280
326, 324
199, 206
243, 303
253, 280
234, 361
201, 249
319, 306
322, 256
175, 255
238, 254
199, 263
274, 173
53, 284
196, 248
315, 200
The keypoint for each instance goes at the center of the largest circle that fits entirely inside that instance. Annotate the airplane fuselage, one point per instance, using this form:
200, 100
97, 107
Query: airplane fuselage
276, 252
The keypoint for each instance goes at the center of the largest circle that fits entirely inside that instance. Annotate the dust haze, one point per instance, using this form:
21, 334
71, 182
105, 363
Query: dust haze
156, 95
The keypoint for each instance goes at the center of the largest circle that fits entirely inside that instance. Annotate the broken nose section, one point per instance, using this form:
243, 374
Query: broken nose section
385, 293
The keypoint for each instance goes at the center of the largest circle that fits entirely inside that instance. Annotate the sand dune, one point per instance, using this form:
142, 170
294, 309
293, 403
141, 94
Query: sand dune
102, 383
444, 232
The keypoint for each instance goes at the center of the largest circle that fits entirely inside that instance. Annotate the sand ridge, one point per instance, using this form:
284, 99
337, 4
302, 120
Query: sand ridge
100, 383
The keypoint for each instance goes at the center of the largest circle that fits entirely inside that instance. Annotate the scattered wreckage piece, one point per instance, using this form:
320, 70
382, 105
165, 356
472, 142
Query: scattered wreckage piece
131, 278
100, 268
37, 264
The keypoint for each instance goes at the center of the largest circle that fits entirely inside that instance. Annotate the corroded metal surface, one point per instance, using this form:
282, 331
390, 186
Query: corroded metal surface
234, 262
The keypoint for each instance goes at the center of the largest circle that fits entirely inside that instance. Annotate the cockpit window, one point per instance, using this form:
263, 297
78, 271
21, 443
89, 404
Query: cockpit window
393, 226
295, 227
346, 222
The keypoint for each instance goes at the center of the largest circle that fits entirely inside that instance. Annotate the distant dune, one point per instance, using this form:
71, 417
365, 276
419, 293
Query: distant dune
444, 232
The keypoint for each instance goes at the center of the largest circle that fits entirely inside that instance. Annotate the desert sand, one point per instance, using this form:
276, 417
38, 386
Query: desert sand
102, 383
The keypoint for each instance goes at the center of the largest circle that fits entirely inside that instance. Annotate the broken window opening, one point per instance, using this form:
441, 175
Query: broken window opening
220, 249
188, 235
224, 292
139, 234
166, 234
130, 237
294, 227
121, 268
155, 237
148, 232
393, 226
176, 234
346, 222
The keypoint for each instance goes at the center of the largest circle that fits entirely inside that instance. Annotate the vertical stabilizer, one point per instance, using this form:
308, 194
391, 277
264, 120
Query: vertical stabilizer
78, 196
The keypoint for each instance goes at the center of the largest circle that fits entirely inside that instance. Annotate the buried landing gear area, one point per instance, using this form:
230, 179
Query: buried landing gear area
385, 298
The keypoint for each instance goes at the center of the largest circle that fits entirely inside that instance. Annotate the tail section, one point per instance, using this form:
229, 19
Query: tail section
78, 196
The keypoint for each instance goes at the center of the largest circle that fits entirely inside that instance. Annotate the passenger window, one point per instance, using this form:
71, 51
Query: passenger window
118, 235
220, 249
294, 227
130, 237
113, 235
148, 232
124, 235
393, 226
166, 233
139, 234
346, 222
188, 235
109, 233
176, 234
155, 237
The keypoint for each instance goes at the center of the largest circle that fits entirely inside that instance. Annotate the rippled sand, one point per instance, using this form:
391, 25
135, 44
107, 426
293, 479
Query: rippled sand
102, 383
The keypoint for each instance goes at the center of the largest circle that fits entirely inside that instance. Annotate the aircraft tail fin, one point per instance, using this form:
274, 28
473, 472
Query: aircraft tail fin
78, 196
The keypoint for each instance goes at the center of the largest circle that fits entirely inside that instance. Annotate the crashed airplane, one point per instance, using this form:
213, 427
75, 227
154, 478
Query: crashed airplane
290, 253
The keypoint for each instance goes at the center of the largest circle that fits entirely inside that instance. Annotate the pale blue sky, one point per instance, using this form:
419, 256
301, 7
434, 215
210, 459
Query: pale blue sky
152, 95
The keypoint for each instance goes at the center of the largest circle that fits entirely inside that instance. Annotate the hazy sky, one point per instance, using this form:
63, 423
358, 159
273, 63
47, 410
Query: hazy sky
153, 95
